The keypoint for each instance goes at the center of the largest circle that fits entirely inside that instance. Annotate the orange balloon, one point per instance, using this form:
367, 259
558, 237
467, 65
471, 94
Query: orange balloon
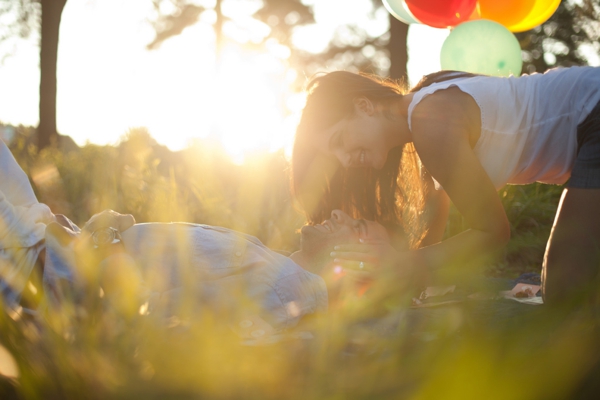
542, 10
506, 12
475, 15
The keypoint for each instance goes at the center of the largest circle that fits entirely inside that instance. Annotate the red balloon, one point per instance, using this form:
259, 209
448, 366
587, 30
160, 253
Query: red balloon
441, 13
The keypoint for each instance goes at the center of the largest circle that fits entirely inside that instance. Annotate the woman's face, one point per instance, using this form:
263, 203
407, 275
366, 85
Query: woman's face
360, 140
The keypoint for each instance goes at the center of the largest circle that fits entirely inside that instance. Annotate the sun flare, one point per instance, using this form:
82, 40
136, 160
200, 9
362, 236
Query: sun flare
109, 83
180, 92
249, 98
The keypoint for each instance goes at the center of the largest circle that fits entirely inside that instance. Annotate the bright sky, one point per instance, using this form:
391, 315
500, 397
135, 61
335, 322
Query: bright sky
108, 82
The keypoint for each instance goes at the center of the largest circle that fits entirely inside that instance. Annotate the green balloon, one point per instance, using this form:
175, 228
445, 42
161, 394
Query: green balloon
482, 47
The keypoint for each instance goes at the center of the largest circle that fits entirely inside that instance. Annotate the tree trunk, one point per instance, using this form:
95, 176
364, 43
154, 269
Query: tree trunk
51, 14
218, 33
398, 50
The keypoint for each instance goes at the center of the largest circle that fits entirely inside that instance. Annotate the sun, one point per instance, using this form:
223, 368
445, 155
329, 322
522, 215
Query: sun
249, 97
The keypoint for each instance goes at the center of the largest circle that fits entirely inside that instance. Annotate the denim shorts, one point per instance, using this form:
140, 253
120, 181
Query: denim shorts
586, 171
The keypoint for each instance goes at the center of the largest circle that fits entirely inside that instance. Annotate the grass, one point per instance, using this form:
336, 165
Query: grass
360, 350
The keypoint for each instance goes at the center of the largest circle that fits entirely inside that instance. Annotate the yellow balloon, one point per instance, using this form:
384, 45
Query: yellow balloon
542, 10
506, 12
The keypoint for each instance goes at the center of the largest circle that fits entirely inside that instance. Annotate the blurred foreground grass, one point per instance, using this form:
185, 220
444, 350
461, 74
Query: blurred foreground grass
487, 349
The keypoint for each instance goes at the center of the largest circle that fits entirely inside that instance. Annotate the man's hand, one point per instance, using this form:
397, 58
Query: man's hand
109, 219
110, 266
85, 252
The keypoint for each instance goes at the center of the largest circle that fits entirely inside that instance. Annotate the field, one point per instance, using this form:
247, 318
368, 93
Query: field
363, 350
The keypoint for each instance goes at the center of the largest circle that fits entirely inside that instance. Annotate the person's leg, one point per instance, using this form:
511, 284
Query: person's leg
572, 260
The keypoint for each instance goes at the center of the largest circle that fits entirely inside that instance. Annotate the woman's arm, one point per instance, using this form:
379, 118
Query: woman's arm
441, 135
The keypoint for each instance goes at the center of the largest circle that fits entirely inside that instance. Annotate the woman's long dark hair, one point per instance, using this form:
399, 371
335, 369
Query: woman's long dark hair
393, 195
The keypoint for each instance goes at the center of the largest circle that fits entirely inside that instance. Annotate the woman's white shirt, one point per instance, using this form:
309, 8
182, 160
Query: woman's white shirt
528, 123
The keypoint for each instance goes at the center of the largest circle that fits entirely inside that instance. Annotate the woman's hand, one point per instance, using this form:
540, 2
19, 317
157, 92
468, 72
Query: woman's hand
383, 269
378, 259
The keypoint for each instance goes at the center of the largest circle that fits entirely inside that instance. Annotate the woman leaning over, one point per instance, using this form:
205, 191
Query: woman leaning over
364, 146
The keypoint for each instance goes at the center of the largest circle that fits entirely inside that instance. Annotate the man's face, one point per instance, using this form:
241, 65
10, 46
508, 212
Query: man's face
318, 241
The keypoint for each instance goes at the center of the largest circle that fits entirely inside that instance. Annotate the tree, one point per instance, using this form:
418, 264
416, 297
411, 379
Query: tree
42, 15
346, 49
566, 39
276, 13
50, 25
398, 50
352, 47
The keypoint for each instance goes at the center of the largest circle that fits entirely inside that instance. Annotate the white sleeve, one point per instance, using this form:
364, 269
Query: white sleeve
13, 180
22, 226
22, 218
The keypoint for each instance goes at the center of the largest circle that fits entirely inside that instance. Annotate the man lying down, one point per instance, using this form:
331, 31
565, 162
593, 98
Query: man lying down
212, 266
163, 265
